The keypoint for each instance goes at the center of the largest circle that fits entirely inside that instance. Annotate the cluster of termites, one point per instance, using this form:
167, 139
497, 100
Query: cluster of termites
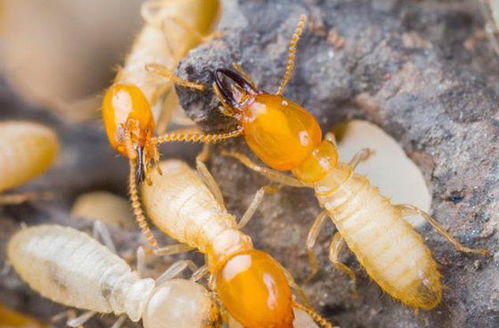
238, 285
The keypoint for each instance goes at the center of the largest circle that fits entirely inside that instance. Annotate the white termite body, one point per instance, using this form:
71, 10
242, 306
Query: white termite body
26, 150
181, 205
387, 246
69, 267
191, 213
163, 41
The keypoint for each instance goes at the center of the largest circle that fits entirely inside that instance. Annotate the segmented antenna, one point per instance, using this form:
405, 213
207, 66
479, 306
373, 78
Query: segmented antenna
196, 137
292, 54
134, 197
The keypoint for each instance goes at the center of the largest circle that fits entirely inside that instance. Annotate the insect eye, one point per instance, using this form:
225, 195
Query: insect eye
228, 82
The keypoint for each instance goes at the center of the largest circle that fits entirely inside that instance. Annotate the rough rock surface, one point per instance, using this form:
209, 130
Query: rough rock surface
412, 67
407, 66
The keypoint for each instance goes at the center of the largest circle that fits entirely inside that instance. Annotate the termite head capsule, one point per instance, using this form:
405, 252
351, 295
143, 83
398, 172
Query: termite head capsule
253, 288
279, 131
129, 124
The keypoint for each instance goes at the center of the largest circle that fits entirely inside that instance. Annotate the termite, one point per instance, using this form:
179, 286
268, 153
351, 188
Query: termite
69, 267
250, 284
27, 149
127, 105
286, 137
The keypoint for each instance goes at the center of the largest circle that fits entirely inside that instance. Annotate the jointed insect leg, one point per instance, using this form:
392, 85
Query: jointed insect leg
313, 233
269, 173
199, 273
206, 176
119, 322
408, 210
362, 155
250, 211
100, 229
292, 54
337, 245
80, 320
175, 269
292, 283
172, 249
141, 261
16, 199
331, 138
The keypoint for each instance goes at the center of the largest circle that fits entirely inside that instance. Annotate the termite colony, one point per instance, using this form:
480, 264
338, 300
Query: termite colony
238, 285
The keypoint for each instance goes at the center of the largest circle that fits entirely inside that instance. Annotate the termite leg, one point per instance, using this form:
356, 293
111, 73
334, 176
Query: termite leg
119, 322
175, 269
270, 174
294, 285
200, 273
172, 249
331, 138
141, 261
80, 320
362, 155
409, 210
206, 176
16, 199
99, 229
292, 54
250, 211
312, 236
337, 245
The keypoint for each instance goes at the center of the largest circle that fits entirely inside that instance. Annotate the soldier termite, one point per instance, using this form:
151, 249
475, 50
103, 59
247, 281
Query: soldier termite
171, 29
287, 137
27, 149
250, 284
69, 267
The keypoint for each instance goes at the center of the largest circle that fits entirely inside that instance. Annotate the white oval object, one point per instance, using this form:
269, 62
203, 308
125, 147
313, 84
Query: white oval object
26, 150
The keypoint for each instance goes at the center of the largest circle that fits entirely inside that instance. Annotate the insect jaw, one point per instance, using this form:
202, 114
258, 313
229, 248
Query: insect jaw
227, 91
140, 172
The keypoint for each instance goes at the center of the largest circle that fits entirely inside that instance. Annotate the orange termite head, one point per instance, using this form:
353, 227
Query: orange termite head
253, 288
129, 124
280, 132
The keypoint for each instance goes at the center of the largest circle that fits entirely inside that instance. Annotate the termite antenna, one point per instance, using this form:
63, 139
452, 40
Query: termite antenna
169, 75
183, 136
134, 197
316, 316
292, 54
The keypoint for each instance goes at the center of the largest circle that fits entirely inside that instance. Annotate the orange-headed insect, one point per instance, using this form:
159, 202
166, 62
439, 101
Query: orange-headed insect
127, 112
287, 137
250, 284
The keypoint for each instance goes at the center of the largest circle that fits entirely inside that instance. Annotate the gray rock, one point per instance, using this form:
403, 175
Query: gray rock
408, 67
